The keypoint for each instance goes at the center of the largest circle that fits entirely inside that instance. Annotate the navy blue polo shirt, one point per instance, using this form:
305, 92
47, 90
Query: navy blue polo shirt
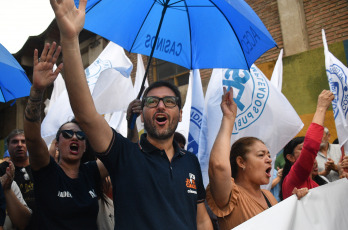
149, 191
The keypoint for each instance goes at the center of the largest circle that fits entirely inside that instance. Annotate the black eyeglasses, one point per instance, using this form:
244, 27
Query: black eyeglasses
68, 134
153, 101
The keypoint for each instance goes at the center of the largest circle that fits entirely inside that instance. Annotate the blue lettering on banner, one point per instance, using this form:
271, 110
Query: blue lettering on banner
164, 45
94, 70
337, 82
252, 95
195, 127
192, 145
249, 40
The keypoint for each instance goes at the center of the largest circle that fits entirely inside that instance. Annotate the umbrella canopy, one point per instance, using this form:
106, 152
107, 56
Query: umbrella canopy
14, 83
195, 34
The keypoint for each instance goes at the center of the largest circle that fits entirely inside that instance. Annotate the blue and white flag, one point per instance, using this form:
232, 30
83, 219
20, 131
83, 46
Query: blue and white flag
113, 57
263, 112
337, 74
196, 113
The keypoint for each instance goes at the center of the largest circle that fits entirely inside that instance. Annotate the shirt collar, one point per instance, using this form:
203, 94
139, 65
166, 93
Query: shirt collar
147, 147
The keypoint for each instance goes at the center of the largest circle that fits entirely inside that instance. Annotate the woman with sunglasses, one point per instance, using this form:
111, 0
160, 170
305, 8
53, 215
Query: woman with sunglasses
65, 192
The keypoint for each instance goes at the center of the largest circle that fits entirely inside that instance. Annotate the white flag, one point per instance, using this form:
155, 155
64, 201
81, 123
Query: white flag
277, 75
306, 213
263, 111
58, 88
184, 125
139, 76
196, 114
113, 56
337, 74
119, 123
112, 92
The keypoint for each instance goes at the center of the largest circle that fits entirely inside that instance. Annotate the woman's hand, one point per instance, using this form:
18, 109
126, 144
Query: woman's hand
228, 106
300, 192
43, 74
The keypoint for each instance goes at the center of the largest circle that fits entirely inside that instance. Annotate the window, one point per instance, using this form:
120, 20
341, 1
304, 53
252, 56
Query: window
167, 71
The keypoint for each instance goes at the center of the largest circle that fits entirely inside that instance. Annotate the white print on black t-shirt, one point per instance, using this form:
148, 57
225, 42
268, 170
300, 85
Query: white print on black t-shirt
68, 194
64, 194
92, 193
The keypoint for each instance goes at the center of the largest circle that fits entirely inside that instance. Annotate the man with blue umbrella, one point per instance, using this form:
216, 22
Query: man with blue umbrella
156, 185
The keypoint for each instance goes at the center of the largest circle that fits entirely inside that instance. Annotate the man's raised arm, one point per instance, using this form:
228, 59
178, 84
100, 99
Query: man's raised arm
70, 21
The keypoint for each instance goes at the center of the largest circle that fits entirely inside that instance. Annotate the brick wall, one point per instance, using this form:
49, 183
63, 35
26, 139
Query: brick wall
267, 10
329, 15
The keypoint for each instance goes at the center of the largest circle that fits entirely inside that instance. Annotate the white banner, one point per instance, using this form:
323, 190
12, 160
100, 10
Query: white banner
263, 112
337, 74
323, 208
113, 56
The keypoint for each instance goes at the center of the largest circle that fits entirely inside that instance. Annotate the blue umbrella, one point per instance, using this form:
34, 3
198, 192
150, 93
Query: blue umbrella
14, 83
195, 34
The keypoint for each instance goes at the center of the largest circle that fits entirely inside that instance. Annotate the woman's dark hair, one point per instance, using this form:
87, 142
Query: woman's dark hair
179, 138
288, 149
240, 148
320, 181
60, 128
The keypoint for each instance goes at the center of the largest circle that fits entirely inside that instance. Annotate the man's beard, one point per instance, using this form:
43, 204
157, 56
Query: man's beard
152, 131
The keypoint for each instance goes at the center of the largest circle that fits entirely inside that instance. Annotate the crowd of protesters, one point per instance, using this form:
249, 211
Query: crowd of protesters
151, 182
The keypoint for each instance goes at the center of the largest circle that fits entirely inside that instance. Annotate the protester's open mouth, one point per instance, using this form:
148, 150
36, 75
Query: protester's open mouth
268, 171
74, 148
161, 119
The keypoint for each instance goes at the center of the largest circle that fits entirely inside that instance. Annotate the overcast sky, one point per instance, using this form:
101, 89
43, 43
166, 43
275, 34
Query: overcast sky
20, 19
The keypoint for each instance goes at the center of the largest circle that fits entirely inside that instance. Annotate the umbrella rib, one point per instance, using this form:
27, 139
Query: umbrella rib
246, 61
189, 24
178, 2
93, 6
130, 50
159, 2
3, 95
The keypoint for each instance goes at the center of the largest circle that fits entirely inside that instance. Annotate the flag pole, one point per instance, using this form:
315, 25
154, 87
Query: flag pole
133, 116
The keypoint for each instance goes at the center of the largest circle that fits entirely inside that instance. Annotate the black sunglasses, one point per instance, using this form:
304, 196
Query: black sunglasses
153, 101
68, 134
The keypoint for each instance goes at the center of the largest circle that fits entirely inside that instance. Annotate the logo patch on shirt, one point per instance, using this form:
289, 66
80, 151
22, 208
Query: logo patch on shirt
191, 183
